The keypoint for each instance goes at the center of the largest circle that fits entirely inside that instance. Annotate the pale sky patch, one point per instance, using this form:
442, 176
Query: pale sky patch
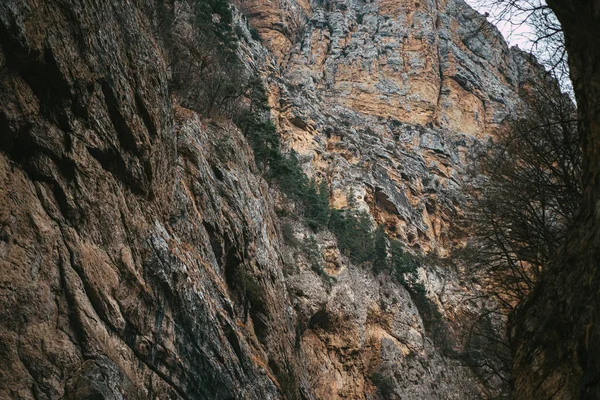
517, 31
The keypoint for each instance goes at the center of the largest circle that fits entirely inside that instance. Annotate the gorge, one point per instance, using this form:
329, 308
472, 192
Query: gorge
148, 250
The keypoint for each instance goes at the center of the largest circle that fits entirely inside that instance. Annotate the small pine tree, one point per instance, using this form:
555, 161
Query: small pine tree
363, 236
316, 201
402, 262
288, 173
350, 199
380, 258
354, 233
324, 199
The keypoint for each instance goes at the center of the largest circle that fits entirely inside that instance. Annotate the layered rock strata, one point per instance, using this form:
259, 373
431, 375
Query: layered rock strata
141, 255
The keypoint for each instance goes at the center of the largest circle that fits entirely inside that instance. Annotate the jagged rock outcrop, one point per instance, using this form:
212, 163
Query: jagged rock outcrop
140, 251
363, 335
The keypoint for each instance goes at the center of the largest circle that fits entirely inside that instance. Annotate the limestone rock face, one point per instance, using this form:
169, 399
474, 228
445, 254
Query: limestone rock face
364, 338
390, 99
437, 63
390, 102
129, 226
124, 222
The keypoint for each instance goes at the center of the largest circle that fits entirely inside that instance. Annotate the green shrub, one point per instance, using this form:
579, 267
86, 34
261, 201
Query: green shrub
284, 169
239, 32
403, 267
255, 34
402, 262
380, 256
354, 233
281, 212
316, 203
264, 140
288, 174
433, 320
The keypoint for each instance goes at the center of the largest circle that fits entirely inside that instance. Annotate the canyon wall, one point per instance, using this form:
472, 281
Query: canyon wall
141, 252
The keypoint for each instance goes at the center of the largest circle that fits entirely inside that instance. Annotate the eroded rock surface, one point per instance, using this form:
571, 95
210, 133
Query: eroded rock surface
124, 222
132, 231
391, 100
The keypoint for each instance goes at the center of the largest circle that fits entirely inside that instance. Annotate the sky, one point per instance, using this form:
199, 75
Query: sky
515, 28
516, 32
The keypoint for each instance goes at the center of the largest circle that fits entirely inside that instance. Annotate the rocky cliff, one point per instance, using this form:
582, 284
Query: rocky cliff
140, 249
379, 95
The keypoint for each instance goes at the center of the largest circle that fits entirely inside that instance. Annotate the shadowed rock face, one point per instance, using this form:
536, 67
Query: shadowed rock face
120, 218
127, 222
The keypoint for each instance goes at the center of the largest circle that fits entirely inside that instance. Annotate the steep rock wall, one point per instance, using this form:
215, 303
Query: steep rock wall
124, 223
390, 103
130, 226
391, 100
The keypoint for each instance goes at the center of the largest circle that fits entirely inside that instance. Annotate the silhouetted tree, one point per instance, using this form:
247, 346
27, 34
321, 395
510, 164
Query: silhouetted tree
201, 48
529, 195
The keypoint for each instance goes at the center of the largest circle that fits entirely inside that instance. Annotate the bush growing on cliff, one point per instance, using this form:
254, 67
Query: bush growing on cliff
385, 253
264, 140
404, 267
316, 203
200, 44
358, 240
486, 350
402, 262
380, 253
284, 169
354, 233
255, 34
288, 173
214, 21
